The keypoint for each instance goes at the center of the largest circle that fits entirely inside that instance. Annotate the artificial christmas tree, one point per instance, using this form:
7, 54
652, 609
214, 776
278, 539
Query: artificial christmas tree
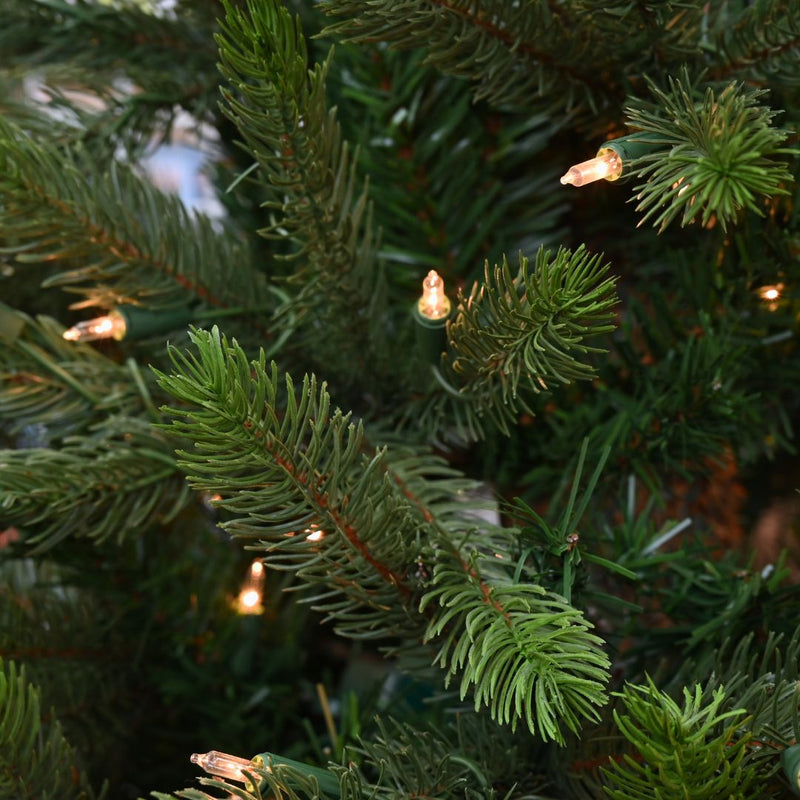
485, 355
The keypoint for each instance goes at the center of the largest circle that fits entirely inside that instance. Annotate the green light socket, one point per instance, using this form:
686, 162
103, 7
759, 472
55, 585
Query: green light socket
142, 322
328, 783
627, 148
430, 335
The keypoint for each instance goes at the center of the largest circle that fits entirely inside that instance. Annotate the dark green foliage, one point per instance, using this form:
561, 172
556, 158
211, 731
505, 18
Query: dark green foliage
490, 624
79, 672
293, 462
430, 769
171, 60
762, 39
35, 759
106, 483
529, 44
413, 125
691, 372
294, 437
292, 465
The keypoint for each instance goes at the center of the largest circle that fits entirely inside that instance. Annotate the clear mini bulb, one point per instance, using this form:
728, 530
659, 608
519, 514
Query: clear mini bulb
605, 165
770, 292
110, 326
315, 534
250, 597
223, 765
434, 303
249, 600
771, 295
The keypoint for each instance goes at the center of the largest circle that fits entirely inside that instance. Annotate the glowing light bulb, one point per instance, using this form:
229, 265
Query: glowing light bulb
315, 535
210, 500
248, 601
771, 294
110, 326
223, 765
250, 598
605, 165
434, 303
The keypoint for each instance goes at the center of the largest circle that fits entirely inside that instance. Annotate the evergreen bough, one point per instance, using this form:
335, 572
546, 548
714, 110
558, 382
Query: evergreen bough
694, 751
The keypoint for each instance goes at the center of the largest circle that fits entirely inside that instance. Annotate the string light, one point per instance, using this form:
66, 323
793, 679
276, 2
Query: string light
233, 768
223, 765
771, 294
610, 160
314, 534
606, 165
249, 599
109, 326
128, 321
434, 303
210, 500
430, 314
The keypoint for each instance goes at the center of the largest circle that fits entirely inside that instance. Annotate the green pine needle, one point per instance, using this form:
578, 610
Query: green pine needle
712, 157
284, 459
695, 751
535, 54
317, 204
105, 484
35, 758
528, 654
518, 334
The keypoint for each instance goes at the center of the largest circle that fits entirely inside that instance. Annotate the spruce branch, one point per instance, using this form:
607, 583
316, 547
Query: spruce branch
640, 34
761, 678
528, 653
762, 41
284, 461
116, 232
518, 334
62, 385
696, 750
533, 53
417, 762
35, 758
105, 484
713, 155
277, 101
